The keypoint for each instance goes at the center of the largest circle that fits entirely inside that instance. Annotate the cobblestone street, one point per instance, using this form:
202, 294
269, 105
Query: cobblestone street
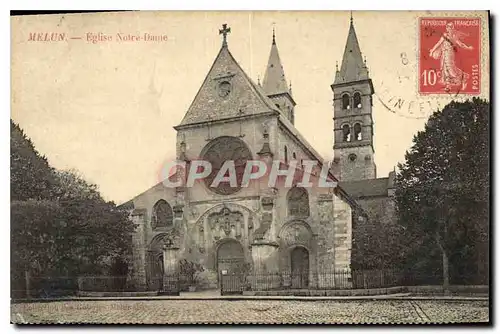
249, 311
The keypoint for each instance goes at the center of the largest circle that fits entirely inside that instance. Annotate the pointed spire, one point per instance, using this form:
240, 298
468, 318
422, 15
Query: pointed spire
353, 67
274, 78
338, 78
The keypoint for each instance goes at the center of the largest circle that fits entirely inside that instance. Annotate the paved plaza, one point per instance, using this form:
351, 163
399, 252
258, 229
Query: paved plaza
250, 311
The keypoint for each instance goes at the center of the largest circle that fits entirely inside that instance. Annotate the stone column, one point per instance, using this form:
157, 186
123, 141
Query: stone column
170, 269
325, 262
268, 218
178, 214
139, 250
268, 200
273, 233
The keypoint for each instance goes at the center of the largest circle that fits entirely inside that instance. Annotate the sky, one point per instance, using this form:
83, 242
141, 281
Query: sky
107, 109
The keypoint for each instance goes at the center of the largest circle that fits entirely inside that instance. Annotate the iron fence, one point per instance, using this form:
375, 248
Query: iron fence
332, 280
171, 285
155, 283
43, 286
46, 287
102, 283
376, 278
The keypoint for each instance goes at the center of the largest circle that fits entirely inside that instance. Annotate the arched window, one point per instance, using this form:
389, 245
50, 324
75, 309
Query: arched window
346, 102
162, 215
294, 156
357, 132
286, 154
357, 100
346, 132
298, 202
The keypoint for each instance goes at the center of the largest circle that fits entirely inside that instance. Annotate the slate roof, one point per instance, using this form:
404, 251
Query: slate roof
366, 188
353, 67
274, 78
129, 205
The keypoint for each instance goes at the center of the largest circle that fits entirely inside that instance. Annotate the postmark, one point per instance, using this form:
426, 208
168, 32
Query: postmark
449, 56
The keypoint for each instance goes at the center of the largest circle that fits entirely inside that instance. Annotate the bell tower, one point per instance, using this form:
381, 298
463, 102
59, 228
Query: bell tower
353, 121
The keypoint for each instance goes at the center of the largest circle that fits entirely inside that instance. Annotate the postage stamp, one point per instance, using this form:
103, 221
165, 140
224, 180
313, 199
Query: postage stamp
450, 53
164, 171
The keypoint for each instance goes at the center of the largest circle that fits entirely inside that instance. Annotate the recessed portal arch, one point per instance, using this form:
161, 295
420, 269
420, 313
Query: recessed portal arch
299, 258
230, 258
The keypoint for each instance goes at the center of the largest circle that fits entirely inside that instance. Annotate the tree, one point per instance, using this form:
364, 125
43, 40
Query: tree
71, 185
35, 234
97, 232
30, 174
377, 244
94, 231
442, 189
60, 224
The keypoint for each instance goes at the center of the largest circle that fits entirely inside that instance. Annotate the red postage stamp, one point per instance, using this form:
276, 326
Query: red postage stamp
450, 56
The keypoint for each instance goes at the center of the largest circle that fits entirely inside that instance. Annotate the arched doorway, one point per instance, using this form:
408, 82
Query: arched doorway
156, 271
230, 258
299, 258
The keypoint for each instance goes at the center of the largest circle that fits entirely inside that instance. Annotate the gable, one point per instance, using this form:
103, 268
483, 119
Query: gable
159, 188
245, 97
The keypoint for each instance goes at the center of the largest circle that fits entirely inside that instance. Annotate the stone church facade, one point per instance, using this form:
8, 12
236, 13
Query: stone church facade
298, 233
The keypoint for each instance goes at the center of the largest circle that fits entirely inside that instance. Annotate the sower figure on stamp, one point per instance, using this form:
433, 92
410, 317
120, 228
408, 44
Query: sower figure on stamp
445, 50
